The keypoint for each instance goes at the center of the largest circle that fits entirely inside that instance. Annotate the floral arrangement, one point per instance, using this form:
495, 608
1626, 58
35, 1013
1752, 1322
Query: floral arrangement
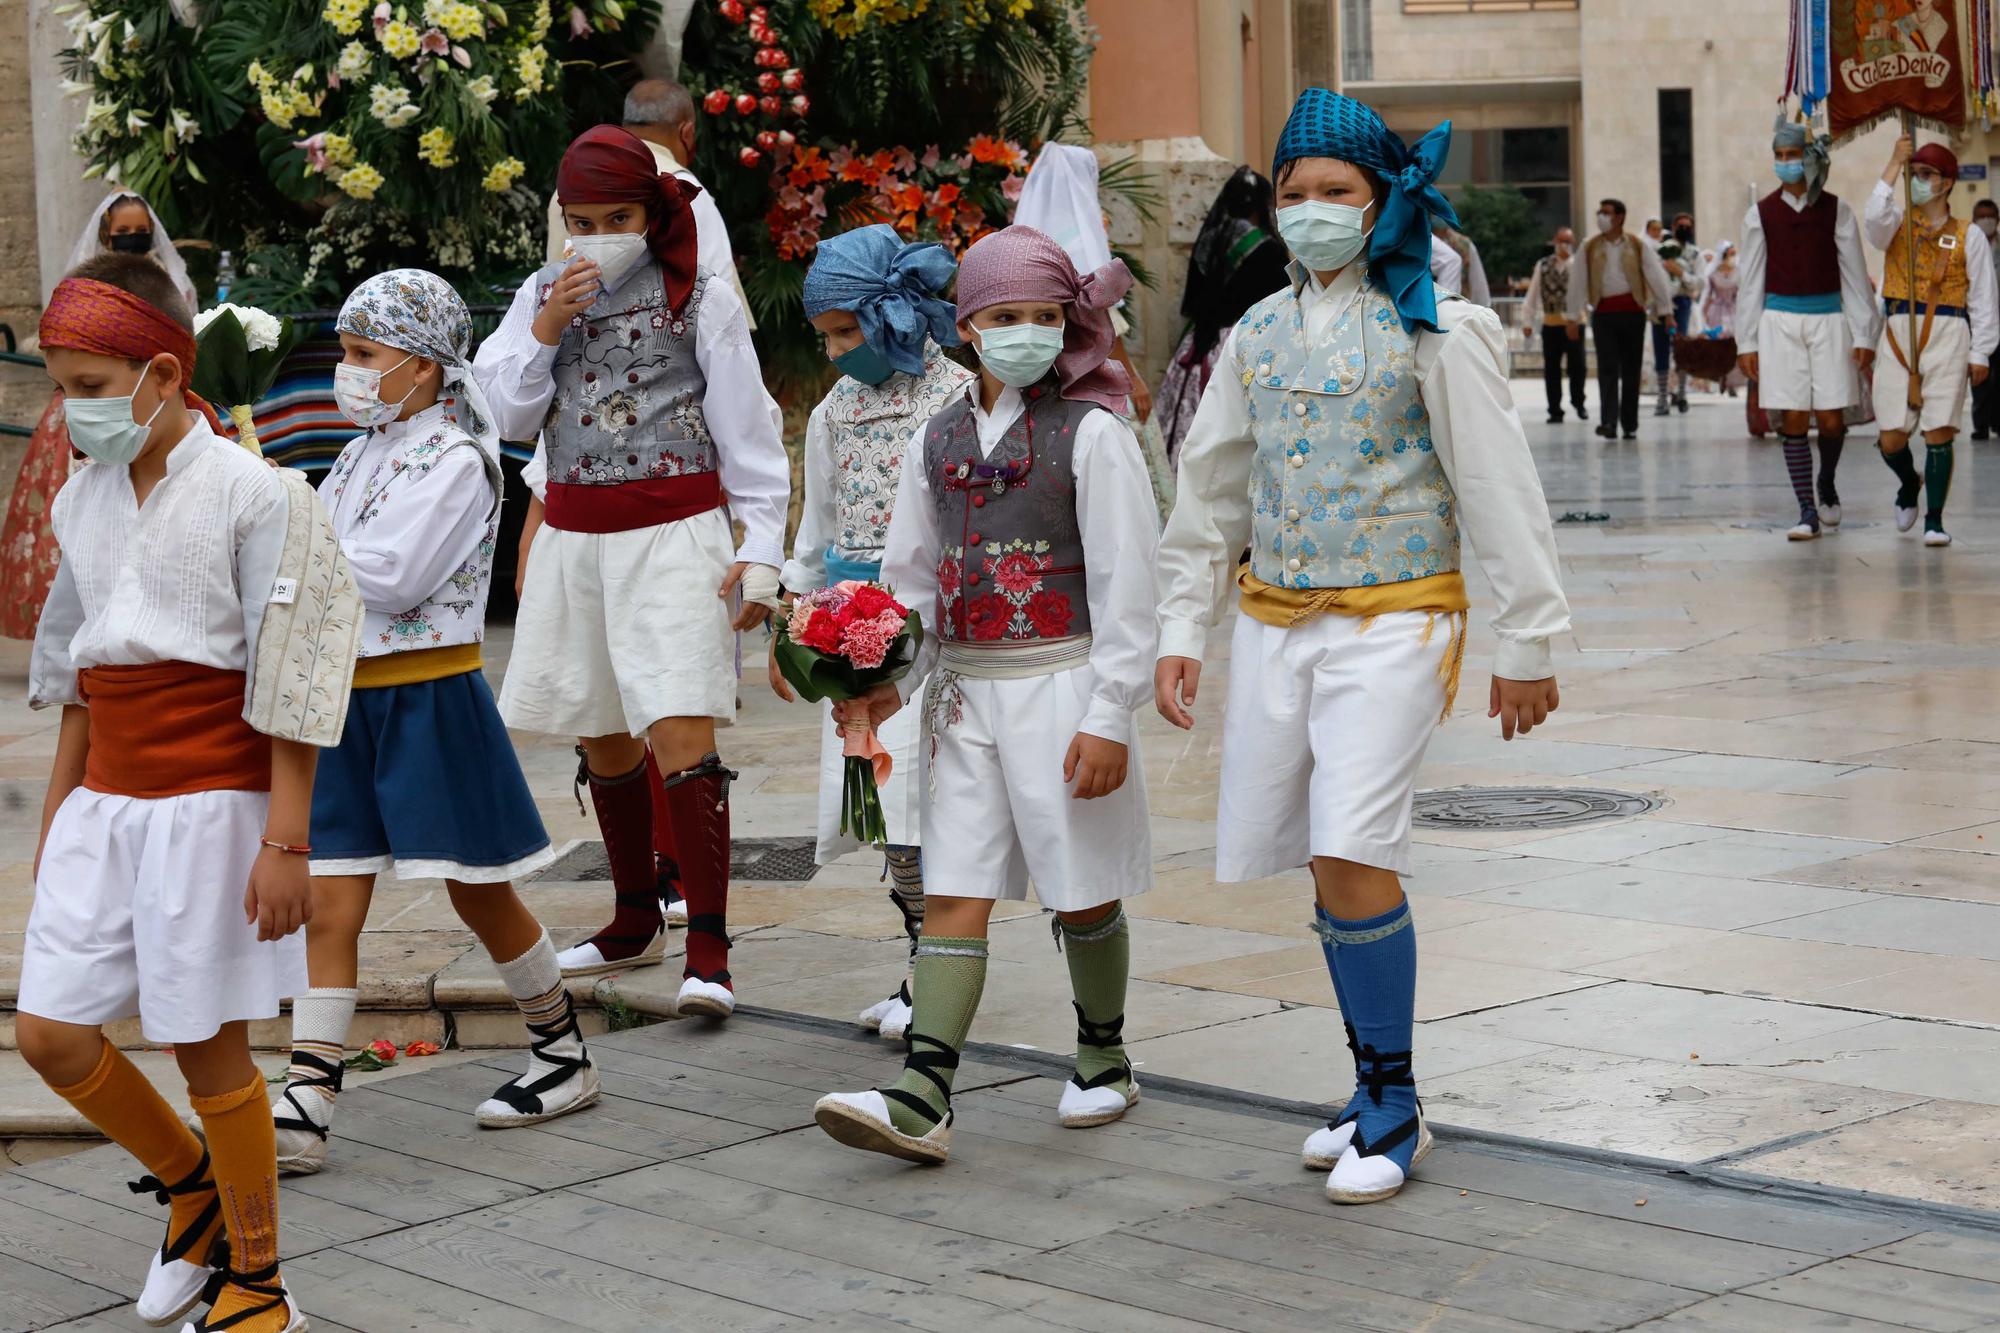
238, 350
953, 199
839, 643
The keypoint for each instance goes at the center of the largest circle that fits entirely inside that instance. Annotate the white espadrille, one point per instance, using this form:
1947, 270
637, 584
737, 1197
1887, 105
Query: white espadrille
896, 1023
587, 960
705, 999
1905, 518
861, 1120
1830, 515
1081, 1107
1802, 532
295, 1319
1370, 1179
177, 1276
1325, 1145
1937, 537
560, 1079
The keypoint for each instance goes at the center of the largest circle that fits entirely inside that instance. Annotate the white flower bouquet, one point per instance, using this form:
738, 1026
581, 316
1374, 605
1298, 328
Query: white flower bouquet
238, 350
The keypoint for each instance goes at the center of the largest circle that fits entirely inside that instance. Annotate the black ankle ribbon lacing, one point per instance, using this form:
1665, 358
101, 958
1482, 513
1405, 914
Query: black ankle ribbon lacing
1103, 1036
328, 1077
195, 1182
716, 926
257, 1282
1376, 1072
523, 1094
1348, 1113
927, 1056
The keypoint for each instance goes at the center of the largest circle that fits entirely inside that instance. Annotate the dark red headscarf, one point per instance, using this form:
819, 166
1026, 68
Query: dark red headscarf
90, 316
608, 165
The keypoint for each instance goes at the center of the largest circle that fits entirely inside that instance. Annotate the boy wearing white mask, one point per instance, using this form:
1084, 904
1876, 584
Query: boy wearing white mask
425, 781
1364, 419
1936, 332
635, 366
1023, 531
1619, 282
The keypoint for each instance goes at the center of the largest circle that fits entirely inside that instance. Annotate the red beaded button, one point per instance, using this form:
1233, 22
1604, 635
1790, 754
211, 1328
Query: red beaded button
632, 378
973, 579
632, 460
631, 421
590, 377
979, 502
973, 538
585, 421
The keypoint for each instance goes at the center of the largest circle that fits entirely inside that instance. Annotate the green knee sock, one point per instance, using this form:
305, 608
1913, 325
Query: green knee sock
950, 973
1100, 960
1937, 483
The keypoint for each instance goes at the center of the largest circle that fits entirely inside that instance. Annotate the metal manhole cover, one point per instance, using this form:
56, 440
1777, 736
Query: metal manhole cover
1525, 807
785, 860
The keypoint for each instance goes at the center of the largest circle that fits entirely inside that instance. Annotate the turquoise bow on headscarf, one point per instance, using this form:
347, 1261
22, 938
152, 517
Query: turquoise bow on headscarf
1327, 124
892, 287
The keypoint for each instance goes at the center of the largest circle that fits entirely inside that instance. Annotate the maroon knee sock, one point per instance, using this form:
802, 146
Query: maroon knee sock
698, 806
666, 861
625, 817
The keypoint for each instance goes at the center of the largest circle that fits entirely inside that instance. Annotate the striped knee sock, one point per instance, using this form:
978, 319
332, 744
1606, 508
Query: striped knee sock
320, 1020
1799, 463
906, 890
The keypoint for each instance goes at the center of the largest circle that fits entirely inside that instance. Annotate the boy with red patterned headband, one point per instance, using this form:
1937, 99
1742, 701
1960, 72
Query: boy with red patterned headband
200, 638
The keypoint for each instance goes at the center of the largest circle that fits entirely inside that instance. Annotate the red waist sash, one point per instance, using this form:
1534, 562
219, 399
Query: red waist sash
1621, 304
171, 728
647, 503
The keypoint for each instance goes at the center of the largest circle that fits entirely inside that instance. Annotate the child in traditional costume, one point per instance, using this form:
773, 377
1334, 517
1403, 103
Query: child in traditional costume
1356, 421
200, 638
877, 302
1805, 317
1957, 317
425, 781
636, 367
1025, 520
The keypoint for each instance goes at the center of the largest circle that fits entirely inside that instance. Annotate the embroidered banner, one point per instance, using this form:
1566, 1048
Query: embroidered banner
1894, 56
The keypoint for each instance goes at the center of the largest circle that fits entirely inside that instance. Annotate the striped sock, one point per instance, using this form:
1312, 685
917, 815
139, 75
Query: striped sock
535, 981
1799, 463
906, 890
320, 1020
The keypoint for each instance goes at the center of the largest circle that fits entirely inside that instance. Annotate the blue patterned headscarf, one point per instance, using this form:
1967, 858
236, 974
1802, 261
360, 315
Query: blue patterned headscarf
893, 288
1327, 124
416, 311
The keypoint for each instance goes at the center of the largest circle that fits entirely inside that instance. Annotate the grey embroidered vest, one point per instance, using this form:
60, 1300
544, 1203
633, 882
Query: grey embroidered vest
628, 398
1010, 555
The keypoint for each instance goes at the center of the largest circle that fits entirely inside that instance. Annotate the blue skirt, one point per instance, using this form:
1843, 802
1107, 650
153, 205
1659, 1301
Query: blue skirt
425, 781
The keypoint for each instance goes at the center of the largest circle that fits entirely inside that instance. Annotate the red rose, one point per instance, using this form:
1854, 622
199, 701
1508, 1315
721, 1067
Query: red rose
1050, 614
770, 106
767, 141
792, 80
822, 632
986, 617
716, 102
749, 157
745, 104
732, 10
801, 105
767, 82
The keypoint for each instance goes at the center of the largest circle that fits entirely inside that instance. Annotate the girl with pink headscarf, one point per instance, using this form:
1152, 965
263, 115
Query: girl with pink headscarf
1024, 531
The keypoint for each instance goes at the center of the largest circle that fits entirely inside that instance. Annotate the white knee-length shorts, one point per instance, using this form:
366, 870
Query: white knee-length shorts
1325, 728
139, 910
996, 811
620, 629
1805, 363
1944, 368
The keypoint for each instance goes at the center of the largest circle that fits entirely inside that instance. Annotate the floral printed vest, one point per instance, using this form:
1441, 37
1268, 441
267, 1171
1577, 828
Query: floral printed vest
456, 612
869, 427
1010, 555
627, 406
1345, 489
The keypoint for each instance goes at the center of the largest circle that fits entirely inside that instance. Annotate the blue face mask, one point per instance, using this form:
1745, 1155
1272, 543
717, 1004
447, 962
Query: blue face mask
104, 428
864, 363
1790, 173
1021, 355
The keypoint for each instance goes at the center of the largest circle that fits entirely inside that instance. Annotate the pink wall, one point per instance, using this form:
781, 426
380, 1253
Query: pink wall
1143, 82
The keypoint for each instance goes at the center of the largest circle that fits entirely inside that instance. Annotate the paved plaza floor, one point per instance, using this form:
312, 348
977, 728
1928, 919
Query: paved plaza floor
1789, 968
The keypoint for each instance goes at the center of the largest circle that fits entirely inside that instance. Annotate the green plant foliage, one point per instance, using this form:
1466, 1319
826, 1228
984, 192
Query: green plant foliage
1502, 222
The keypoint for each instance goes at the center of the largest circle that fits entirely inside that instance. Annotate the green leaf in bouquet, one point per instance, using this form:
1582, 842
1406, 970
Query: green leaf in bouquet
222, 362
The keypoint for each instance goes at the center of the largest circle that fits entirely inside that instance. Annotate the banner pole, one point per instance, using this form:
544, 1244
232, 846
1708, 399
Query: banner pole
1915, 398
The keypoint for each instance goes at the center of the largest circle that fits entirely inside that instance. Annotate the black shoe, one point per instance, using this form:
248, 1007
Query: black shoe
1631, 434
1680, 402
1981, 435
1556, 419
1581, 415
1608, 432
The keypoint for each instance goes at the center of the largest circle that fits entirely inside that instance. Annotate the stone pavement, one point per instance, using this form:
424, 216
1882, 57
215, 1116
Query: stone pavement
698, 1194
1792, 965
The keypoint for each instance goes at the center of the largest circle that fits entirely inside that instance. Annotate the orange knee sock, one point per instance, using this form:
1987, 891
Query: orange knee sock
118, 1100
242, 1145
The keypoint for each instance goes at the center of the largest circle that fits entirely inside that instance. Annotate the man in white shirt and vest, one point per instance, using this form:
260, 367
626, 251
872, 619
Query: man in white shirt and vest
1620, 281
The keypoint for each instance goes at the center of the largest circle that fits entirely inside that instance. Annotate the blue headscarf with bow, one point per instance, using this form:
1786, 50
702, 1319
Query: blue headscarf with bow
1327, 124
893, 288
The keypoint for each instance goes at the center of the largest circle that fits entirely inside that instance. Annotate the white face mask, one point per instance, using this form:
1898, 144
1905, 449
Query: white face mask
357, 391
1988, 225
1604, 223
1020, 355
1324, 237
615, 255
104, 428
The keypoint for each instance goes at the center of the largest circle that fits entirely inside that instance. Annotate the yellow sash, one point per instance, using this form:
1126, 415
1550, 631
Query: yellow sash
416, 666
1438, 595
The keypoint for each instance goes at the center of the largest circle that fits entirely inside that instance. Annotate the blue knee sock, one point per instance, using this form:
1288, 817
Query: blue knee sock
1322, 923
1377, 981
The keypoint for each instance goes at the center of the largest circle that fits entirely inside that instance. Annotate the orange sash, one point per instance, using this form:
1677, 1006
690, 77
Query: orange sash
171, 728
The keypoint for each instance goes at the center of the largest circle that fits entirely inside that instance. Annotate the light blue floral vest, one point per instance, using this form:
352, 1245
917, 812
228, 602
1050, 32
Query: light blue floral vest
1345, 489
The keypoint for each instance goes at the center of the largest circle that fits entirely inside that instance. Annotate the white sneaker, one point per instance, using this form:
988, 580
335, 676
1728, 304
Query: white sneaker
1937, 537
295, 1319
1803, 532
896, 1022
1905, 519
1080, 1108
587, 960
1325, 1145
861, 1120
560, 1079
1358, 1179
705, 999
1830, 515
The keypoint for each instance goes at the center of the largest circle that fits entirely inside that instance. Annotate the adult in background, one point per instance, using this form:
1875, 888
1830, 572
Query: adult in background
1547, 309
1805, 316
1237, 261
1617, 280
1464, 267
1682, 259
1986, 217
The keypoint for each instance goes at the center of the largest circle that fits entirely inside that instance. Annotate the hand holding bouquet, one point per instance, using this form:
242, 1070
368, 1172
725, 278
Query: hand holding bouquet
841, 643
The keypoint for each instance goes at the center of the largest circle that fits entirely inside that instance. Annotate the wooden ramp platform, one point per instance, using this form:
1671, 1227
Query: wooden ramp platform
699, 1195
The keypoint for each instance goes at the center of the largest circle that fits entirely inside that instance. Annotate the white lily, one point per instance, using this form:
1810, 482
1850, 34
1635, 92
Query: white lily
183, 127
135, 121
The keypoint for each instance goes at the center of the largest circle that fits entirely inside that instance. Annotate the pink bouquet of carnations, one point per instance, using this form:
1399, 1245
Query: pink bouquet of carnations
839, 643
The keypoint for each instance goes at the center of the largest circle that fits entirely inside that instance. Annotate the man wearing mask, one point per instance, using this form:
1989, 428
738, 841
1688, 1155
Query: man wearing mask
1986, 217
1547, 309
1805, 317
1939, 329
1619, 281
1682, 260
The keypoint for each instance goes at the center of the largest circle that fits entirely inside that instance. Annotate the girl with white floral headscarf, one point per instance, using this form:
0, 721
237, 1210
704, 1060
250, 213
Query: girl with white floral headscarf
425, 780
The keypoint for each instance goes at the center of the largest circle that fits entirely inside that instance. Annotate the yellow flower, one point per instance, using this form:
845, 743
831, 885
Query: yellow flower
278, 107
434, 146
345, 15
361, 181
503, 174
355, 57
339, 149
530, 65
462, 22
399, 39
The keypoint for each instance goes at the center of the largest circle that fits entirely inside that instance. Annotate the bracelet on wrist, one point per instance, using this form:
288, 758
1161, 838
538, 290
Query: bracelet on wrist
289, 848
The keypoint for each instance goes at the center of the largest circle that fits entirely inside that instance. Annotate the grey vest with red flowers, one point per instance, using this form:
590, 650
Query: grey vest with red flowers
1010, 556
627, 409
